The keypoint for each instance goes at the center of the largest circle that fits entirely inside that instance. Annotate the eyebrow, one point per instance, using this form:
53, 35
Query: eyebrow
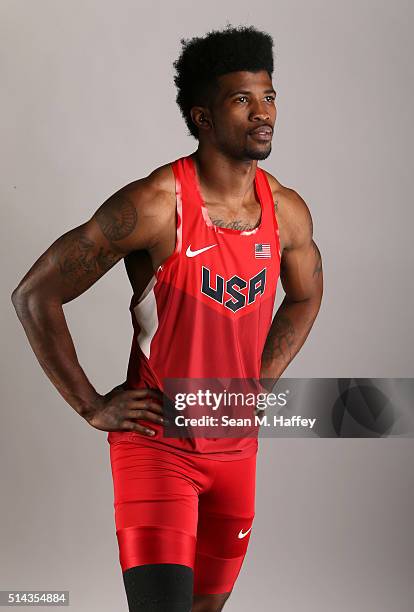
245, 91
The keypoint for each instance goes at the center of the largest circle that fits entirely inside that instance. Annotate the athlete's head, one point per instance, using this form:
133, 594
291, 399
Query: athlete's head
225, 91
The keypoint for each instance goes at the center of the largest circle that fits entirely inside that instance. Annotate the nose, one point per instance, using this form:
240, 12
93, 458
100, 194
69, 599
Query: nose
259, 113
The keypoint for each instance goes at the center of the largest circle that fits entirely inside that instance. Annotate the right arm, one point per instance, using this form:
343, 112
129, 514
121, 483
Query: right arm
127, 221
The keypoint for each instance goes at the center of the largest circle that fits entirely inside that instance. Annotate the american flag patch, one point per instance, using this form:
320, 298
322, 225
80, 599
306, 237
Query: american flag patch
262, 251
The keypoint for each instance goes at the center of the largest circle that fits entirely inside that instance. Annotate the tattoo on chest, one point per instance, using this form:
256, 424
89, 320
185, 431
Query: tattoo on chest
236, 225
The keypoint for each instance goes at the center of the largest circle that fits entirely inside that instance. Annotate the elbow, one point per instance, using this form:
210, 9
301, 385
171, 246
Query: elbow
29, 300
16, 296
19, 299
316, 298
22, 300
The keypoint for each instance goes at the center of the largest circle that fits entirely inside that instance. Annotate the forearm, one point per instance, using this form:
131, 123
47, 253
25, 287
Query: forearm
48, 334
289, 330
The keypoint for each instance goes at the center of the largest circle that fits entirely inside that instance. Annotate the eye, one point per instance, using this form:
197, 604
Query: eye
241, 98
272, 98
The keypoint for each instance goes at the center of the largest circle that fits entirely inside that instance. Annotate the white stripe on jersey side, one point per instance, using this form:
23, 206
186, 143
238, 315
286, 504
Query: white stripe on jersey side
146, 308
275, 305
179, 209
147, 317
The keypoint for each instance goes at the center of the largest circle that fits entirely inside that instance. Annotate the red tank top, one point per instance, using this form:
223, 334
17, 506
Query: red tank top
207, 310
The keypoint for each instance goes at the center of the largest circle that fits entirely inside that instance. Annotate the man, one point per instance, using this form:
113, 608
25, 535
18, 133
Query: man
204, 240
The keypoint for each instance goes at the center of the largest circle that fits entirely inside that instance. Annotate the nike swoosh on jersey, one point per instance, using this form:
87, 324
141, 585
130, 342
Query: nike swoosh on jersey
191, 253
243, 535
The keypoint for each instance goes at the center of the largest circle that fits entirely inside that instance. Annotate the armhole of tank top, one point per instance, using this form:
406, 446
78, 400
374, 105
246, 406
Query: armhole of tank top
137, 299
178, 222
272, 212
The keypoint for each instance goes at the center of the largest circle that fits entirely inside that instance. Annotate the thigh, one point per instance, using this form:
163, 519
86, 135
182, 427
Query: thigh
225, 519
156, 505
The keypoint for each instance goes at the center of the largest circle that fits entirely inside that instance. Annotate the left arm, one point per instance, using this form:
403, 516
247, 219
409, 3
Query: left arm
302, 280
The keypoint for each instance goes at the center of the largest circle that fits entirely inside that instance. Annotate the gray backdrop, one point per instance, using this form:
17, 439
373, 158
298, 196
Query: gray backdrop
88, 104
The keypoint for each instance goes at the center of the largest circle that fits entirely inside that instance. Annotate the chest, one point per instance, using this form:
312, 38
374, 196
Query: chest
245, 217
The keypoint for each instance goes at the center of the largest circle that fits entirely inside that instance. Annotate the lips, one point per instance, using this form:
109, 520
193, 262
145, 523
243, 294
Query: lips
265, 130
263, 133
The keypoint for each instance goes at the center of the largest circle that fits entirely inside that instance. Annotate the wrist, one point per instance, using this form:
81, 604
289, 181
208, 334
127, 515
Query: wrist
87, 408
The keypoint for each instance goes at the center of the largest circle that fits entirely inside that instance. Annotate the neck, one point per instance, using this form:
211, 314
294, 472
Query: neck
221, 177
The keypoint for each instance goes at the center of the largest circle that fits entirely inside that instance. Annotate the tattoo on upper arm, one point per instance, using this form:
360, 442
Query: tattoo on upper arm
80, 262
117, 220
318, 266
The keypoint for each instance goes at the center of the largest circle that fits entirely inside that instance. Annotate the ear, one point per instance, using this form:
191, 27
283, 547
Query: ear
201, 117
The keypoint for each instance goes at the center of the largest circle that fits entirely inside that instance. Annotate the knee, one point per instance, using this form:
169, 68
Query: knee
209, 603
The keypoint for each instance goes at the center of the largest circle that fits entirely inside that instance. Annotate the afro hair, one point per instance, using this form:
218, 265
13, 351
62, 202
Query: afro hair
219, 52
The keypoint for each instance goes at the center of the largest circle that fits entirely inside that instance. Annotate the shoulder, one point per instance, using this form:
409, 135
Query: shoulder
149, 200
162, 179
293, 214
140, 211
154, 192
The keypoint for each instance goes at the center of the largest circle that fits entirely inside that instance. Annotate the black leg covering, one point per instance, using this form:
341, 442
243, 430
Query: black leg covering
159, 587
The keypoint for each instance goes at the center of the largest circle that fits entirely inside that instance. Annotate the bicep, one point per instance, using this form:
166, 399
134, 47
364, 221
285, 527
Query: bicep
78, 258
301, 272
301, 262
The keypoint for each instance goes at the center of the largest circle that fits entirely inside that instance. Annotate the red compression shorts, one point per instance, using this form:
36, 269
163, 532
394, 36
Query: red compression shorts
188, 510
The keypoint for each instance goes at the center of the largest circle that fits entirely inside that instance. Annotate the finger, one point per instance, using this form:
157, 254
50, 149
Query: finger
145, 405
140, 393
145, 415
132, 426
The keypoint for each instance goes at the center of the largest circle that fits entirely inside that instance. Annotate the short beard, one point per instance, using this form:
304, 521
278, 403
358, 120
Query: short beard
248, 153
255, 154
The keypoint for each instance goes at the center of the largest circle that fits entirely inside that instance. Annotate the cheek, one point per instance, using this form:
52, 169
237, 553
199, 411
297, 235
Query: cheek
231, 124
